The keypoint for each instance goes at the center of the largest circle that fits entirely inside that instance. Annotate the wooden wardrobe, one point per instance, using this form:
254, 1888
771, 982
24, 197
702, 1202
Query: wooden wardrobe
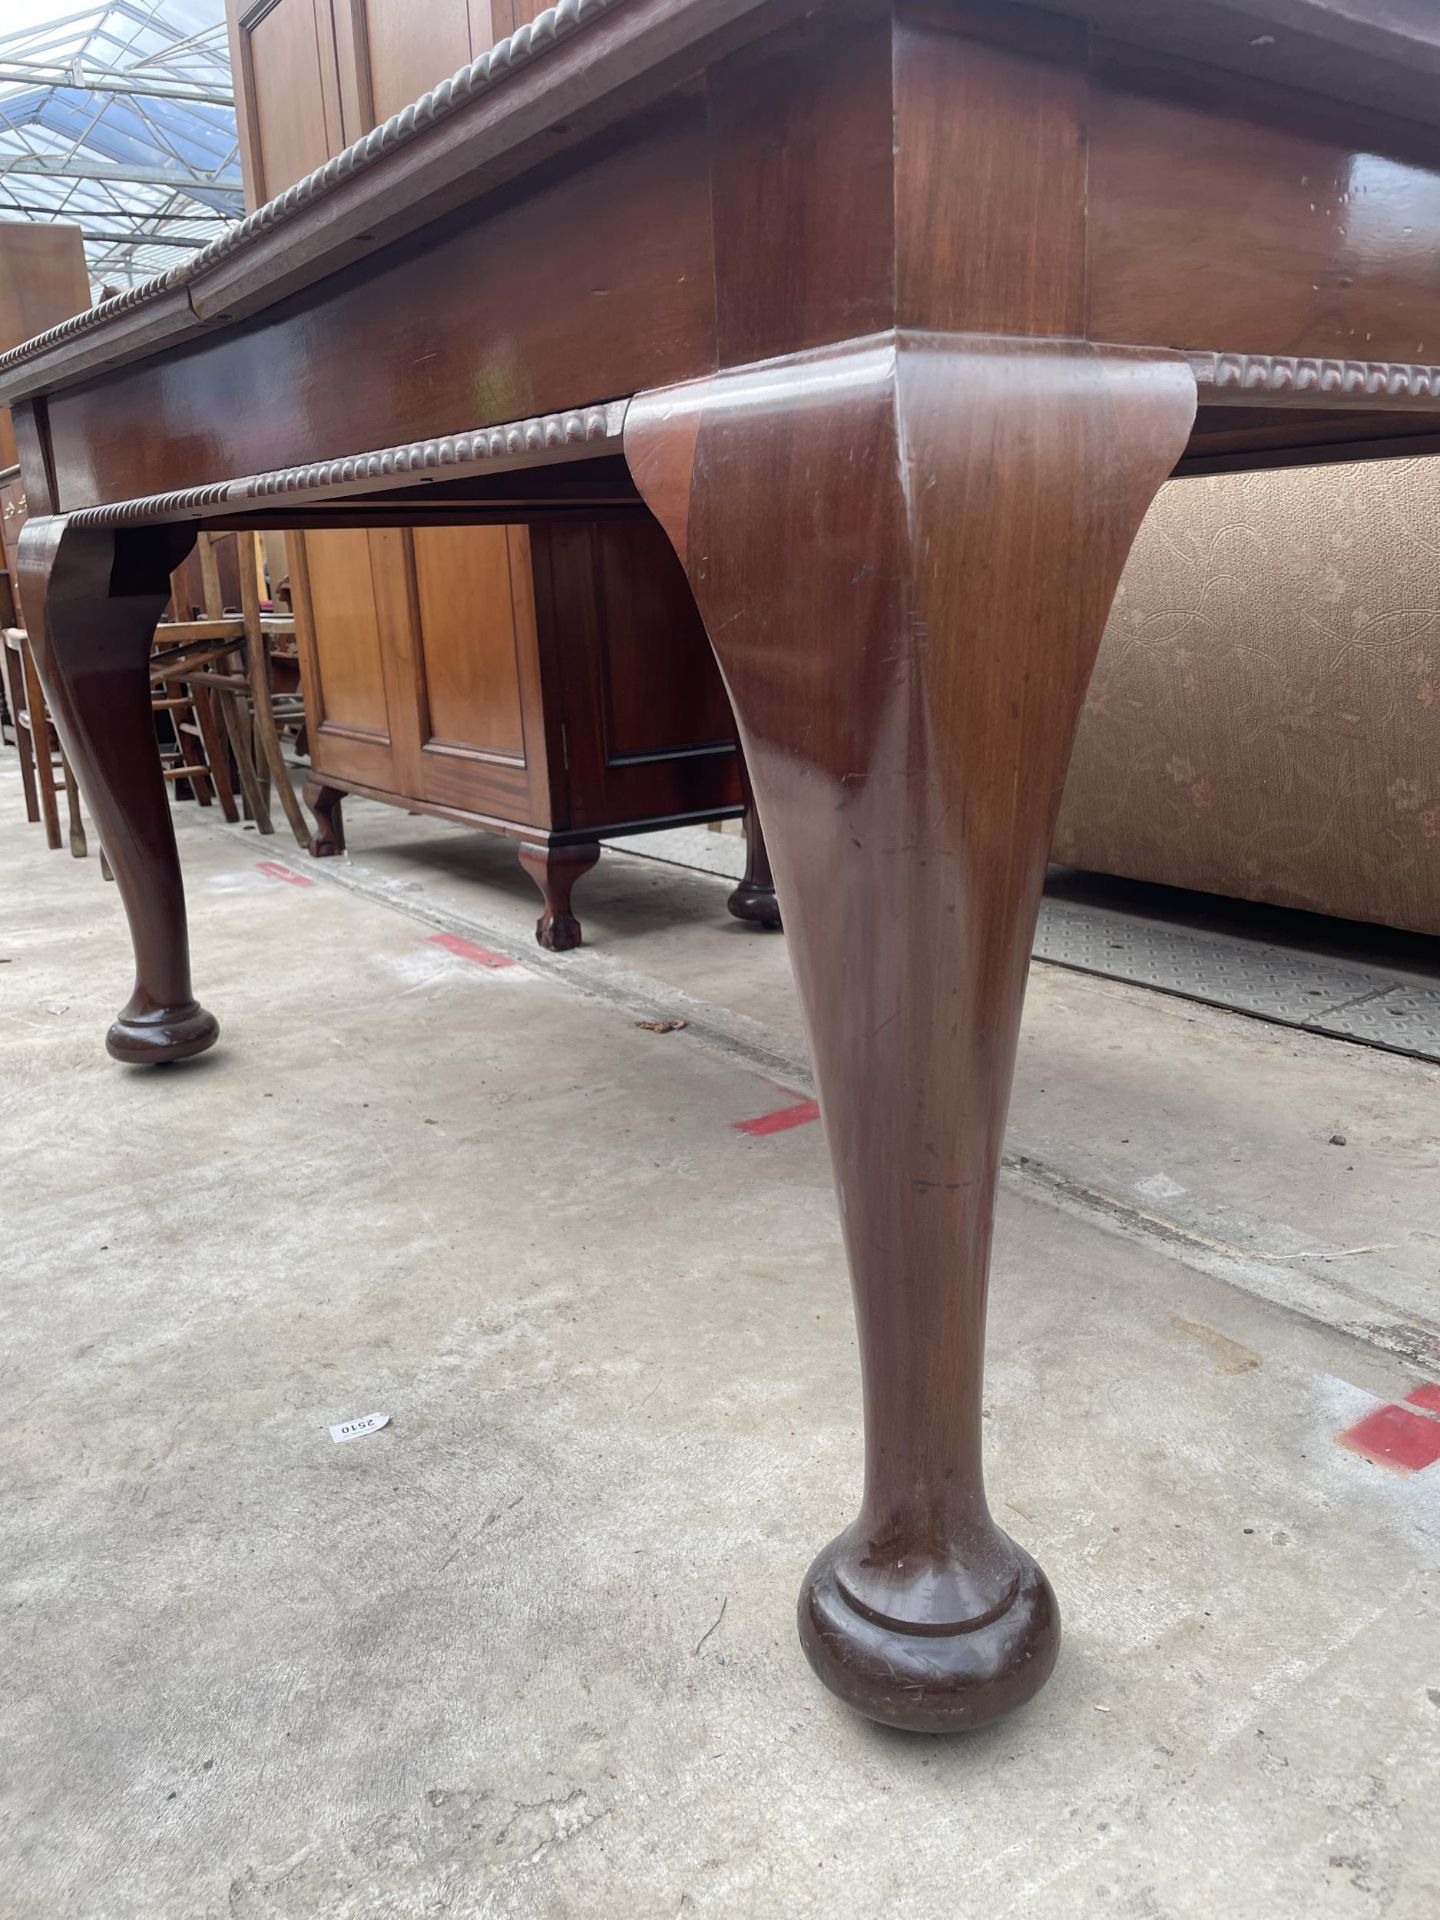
550, 682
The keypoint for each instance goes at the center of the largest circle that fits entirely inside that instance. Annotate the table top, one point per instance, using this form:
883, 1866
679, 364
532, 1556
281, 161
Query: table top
629, 194
582, 64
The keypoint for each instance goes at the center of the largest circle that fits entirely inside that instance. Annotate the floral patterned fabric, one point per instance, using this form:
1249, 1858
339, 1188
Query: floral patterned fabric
1264, 720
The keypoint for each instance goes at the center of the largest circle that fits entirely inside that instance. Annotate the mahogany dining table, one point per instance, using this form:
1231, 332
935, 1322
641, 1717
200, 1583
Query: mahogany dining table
895, 314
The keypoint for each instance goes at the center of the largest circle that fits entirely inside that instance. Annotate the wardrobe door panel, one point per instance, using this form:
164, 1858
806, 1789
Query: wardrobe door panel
412, 48
288, 88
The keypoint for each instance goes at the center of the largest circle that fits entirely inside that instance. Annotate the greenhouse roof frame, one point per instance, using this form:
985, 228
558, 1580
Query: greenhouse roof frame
120, 117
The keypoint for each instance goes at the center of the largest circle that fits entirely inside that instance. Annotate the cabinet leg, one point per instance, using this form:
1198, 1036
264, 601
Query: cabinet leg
904, 550
92, 598
329, 835
754, 899
555, 871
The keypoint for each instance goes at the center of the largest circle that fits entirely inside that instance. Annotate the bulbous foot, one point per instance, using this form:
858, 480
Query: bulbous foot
929, 1678
161, 1035
756, 904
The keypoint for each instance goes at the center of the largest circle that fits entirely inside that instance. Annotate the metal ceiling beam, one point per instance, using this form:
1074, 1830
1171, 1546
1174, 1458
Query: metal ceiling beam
183, 178
37, 73
135, 242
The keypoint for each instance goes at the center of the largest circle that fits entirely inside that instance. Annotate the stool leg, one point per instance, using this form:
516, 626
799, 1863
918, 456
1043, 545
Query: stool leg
78, 848
15, 699
215, 750
44, 759
92, 598
257, 667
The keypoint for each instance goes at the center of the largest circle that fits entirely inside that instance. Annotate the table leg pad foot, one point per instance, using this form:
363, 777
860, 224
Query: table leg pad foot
947, 1681
164, 1034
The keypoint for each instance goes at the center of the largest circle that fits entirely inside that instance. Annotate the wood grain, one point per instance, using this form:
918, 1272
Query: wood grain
990, 160
904, 552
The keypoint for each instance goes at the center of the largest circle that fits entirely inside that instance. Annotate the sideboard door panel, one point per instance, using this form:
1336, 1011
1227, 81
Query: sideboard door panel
648, 731
477, 688
341, 657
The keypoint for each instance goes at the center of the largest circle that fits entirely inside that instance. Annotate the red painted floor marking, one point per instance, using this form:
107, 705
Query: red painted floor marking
1427, 1396
782, 1118
273, 870
1395, 1437
469, 950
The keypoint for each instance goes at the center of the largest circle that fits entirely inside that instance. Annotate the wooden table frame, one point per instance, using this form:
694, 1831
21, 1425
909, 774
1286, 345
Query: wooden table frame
896, 314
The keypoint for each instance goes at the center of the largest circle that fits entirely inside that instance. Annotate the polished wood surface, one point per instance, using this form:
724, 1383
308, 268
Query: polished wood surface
907, 722
899, 312
552, 682
555, 869
430, 679
92, 599
288, 85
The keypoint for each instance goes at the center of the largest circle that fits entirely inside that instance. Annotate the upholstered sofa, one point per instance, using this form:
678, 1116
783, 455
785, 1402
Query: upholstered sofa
1264, 720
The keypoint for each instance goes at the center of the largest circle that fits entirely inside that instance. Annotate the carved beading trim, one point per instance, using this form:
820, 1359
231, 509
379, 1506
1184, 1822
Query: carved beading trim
554, 24
154, 506
94, 317
596, 428
1290, 376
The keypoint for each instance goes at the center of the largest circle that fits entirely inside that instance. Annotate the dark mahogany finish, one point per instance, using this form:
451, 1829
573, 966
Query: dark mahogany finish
899, 311
328, 839
92, 598
754, 899
886, 704
555, 869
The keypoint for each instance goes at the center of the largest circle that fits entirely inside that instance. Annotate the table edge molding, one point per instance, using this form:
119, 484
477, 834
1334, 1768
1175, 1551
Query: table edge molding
487, 70
579, 432
1262, 378
1282, 376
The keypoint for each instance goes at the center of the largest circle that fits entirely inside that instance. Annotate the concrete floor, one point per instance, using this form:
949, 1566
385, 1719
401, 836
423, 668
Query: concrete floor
471, 1665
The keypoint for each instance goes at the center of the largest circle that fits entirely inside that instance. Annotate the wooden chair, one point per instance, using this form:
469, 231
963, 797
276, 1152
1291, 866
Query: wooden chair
213, 671
44, 771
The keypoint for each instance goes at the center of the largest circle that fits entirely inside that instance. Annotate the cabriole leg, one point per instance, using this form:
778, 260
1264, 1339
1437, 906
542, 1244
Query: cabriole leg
555, 871
328, 839
92, 597
904, 550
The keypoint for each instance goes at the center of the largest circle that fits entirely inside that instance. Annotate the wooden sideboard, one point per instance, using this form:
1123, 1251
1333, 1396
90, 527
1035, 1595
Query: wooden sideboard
896, 315
554, 684
43, 280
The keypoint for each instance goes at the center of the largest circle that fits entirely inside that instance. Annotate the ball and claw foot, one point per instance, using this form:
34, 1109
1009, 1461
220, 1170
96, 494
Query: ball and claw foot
555, 871
929, 1678
327, 842
162, 1034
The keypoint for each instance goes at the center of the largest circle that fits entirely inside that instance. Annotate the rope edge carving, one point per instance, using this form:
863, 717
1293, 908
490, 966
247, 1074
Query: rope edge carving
596, 427
554, 24
1291, 375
